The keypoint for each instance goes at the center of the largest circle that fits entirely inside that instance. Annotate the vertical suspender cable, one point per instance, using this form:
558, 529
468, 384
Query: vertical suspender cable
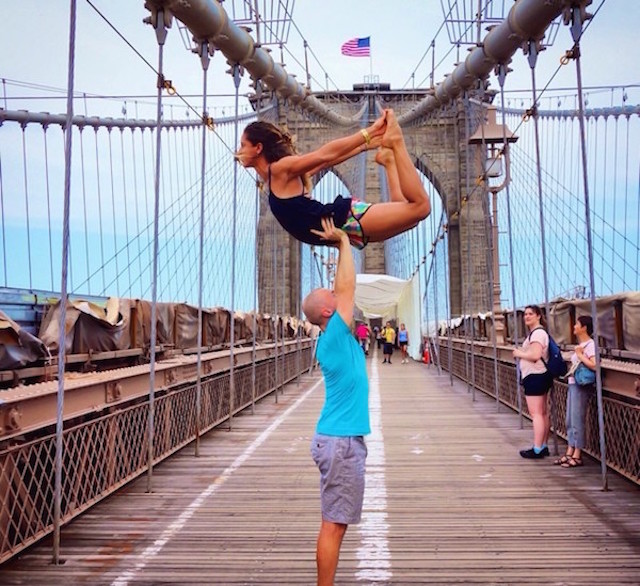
46, 173
135, 199
257, 211
68, 133
502, 73
161, 35
436, 339
4, 238
126, 209
471, 382
255, 267
532, 58
113, 210
626, 200
232, 334
447, 274
425, 300
26, 202
99, 194
204, 60
84, 211
576, 31
274, 289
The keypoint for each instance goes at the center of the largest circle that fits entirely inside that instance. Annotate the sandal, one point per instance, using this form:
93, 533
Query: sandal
572, 462
563, 460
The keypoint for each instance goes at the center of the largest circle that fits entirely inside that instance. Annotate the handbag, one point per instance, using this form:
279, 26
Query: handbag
584, 375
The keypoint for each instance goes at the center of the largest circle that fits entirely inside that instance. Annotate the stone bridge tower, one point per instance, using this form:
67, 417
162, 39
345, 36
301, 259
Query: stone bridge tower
440, 151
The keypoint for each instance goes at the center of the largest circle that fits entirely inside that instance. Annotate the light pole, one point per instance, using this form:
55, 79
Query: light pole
496, 138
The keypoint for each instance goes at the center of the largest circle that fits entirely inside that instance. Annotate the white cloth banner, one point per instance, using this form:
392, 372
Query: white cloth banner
409, 315
378, 295
389, 297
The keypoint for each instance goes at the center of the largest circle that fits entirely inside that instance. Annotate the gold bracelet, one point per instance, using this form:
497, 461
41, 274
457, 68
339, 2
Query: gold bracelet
365, 134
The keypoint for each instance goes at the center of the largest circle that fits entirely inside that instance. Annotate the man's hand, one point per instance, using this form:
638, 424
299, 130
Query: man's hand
330, 233
344, 284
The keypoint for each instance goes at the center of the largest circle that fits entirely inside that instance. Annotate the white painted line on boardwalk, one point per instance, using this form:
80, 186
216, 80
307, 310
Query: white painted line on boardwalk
374, 557
156, 547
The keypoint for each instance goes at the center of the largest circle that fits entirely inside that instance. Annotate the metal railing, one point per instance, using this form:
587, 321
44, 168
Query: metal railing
621, 413
105, 453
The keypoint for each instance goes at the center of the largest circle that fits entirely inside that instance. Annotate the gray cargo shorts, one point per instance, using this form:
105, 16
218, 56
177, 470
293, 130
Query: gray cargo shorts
341, 461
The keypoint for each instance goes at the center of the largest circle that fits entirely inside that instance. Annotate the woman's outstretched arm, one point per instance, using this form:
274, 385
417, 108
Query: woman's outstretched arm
331, 153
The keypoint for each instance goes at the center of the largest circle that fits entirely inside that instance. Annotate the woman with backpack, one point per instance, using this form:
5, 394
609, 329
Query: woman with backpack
580, 389
536, 380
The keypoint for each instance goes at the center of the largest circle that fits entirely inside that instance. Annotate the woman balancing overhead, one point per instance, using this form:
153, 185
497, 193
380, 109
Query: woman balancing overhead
268, 150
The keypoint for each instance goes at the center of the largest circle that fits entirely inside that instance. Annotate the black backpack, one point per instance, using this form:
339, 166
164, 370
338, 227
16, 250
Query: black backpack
556, 366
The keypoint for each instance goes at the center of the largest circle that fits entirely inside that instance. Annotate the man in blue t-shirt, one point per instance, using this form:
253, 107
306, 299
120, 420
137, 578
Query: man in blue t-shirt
338, 446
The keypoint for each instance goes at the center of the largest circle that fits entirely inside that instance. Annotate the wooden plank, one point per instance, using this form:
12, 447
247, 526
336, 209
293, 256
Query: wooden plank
453, 504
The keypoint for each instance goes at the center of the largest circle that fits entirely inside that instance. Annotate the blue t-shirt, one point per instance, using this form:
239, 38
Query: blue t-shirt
402, 336
346, 404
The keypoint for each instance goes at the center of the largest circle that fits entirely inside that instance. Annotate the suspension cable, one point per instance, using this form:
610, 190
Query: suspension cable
161, 35
205, 50
576, 28
68, 134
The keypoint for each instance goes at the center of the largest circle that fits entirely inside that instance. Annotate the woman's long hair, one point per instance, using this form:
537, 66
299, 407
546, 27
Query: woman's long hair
536, 309
276, 143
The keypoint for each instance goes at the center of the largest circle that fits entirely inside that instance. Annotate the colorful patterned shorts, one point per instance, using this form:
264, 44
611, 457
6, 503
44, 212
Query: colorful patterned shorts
352, 226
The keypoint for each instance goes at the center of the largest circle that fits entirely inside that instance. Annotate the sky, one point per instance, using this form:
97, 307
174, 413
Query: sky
34, 39
34, 46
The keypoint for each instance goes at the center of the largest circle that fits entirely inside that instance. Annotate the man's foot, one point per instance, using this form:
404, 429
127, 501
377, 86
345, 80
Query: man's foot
531, 454
545, 451
392, 136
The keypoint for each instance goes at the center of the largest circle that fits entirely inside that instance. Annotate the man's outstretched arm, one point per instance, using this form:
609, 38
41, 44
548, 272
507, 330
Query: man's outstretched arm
344, 286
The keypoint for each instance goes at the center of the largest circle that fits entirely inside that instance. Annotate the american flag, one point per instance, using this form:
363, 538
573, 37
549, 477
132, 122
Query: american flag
356, 48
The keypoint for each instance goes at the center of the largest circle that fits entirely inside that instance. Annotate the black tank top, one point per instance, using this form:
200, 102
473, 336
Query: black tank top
300, 214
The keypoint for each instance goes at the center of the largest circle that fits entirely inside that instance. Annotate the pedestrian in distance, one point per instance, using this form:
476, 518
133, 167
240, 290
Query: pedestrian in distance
338, 447
578, 395
536, 380
403, 341
389, 337
377, 336
363, 333
269, 150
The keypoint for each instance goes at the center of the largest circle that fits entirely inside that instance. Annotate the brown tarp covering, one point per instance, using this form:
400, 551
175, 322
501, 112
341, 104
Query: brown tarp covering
122, 324
560, 324
629, 304
88, 326
18, 347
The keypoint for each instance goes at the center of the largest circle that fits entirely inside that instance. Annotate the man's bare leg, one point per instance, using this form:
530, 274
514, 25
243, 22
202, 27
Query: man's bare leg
328, 551
386, 158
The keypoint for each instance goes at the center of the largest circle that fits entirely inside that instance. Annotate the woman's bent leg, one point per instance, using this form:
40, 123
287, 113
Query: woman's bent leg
386, 158
410, 203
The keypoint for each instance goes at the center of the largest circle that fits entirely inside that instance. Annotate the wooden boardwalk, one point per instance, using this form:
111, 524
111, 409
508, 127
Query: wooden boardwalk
449, 501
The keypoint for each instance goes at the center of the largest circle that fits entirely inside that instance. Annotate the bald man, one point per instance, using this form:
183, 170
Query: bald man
338, 446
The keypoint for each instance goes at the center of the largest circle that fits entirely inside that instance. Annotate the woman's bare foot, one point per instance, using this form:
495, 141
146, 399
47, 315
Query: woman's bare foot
384, 156
392, 137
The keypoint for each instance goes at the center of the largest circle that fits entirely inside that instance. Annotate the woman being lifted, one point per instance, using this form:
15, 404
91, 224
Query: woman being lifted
268, 150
